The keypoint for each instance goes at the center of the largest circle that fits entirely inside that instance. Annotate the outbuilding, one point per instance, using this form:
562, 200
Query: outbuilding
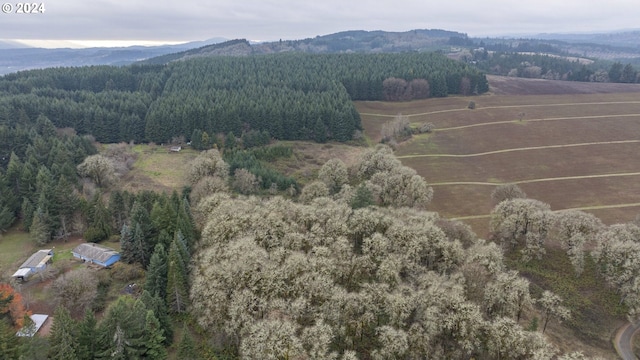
35, 263
38, 322
96, 254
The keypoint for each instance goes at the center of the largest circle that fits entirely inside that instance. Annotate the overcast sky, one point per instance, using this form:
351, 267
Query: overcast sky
188, 20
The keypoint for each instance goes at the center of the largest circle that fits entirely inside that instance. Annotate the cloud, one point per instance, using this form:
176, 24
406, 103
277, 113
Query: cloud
287, 19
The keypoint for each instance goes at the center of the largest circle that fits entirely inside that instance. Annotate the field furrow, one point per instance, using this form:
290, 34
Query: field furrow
572, 151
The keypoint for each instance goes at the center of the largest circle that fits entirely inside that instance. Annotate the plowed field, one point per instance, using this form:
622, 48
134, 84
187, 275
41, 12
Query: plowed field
572, 146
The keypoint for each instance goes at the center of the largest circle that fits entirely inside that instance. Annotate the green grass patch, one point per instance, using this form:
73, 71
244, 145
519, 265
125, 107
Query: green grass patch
15, 248
594, 306
157, 168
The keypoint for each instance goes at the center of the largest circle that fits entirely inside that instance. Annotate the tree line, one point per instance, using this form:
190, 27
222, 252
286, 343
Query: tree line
291, 96
552, 67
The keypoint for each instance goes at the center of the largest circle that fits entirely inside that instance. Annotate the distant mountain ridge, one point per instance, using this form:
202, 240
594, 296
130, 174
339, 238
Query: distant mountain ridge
613, 46
16, 57
356, 41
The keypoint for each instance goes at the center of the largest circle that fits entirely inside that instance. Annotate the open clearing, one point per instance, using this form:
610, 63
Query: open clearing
572, 146
158, 169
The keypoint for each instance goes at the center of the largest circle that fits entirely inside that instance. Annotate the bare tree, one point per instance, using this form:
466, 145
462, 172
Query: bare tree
313, 190
75, 290
551, 307
208, 163
507, 192
334, 174
98, 168
244, 182
398, 129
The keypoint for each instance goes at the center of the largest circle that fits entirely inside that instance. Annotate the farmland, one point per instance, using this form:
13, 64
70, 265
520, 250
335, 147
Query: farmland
575, 150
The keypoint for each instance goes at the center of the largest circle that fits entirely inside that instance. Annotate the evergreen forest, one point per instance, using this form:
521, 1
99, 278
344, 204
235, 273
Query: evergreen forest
291, 96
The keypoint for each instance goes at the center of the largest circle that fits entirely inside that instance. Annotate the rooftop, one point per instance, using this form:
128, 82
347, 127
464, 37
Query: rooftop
95, 251
40, 257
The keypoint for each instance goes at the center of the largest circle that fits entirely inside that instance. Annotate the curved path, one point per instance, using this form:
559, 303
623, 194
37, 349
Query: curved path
623, 341
504, 107
592, 117
582, 208
578, 177
521, 149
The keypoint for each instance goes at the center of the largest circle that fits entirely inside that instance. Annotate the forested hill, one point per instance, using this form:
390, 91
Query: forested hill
292, 95
354, 41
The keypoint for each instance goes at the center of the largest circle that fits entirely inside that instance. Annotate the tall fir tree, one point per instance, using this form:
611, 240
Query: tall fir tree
63, 337
87, 331
187, 347
159, 307
156, 278
177, 280
153, 338
9, 342
121, 332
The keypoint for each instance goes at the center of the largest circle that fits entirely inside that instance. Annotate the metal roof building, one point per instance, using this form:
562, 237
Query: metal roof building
96, 254
35, 263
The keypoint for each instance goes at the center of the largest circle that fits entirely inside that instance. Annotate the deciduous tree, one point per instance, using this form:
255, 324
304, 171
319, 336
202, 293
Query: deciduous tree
98, 168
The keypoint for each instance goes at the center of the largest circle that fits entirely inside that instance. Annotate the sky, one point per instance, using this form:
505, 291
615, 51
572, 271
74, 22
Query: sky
78, 23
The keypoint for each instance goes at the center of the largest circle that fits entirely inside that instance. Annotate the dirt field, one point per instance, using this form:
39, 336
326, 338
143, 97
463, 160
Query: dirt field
572, 145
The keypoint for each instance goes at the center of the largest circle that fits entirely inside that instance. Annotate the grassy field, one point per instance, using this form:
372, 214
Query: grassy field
158, 169
571, 151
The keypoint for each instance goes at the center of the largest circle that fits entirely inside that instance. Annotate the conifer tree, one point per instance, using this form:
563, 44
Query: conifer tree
177, 287
141, 252
159, 307
86, 333
39, 229
153, 338
156, 279
121, 332
9, 345
6, 217
187, 347
126, 244
63, 337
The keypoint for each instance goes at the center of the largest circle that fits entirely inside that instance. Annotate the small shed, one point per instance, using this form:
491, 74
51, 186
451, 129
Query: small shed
38, 321
96, 254
34, 264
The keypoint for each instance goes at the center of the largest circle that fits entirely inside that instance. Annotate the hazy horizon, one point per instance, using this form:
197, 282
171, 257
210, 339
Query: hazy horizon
75, 23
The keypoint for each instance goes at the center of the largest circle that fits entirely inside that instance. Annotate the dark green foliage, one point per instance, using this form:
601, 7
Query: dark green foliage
196, 139
153, 338
362, 198
33, 348
230, 141
9, 342
615, 72
121, 333
628, 74
319, 131
187, 347
255, 138
253, 159
86, 332
39, 229
283, 94
156, 279
159, 308
177, 278
118, 209
141, 253
99, 220
6, 218
63, 337
126, 244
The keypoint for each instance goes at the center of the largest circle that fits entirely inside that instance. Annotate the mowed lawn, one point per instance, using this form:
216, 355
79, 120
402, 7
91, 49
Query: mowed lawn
571, 151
